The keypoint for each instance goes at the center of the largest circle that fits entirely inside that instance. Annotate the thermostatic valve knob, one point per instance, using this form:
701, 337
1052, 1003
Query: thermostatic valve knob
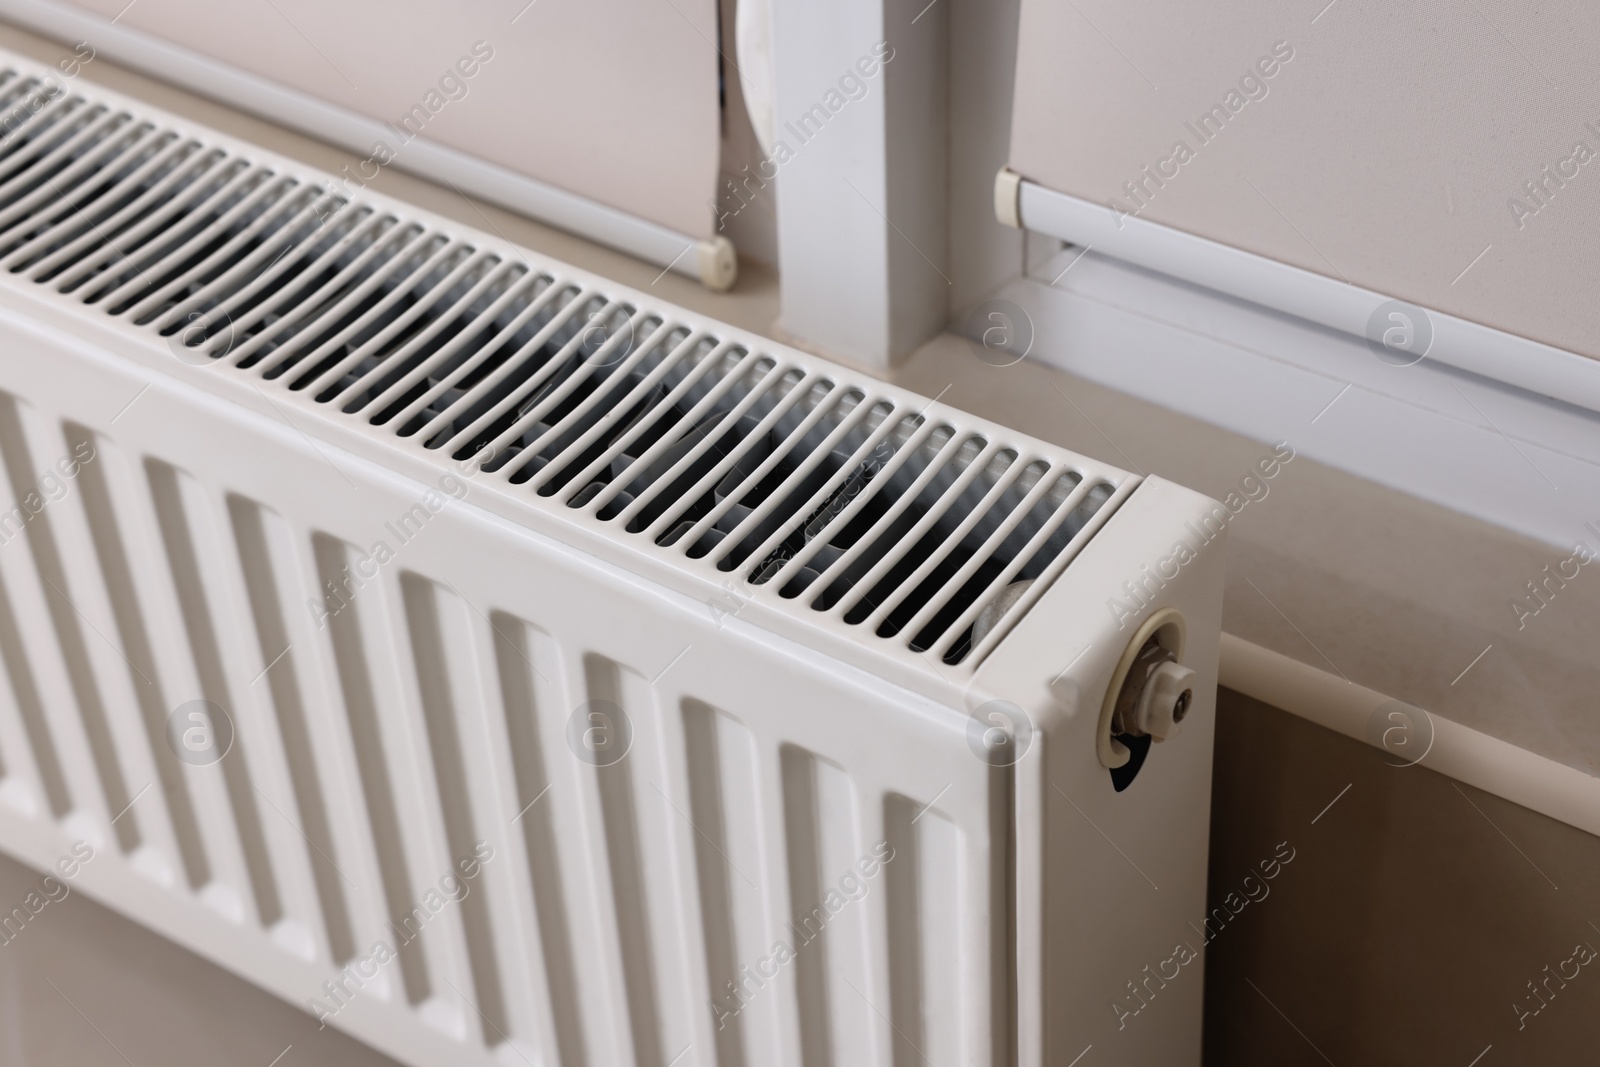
1165, 701
1155, 694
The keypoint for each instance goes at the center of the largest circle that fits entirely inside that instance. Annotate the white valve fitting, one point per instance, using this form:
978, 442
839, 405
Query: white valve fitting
1164, 701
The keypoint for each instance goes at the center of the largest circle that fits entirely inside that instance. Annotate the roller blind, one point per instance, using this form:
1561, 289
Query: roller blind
1445, 153
612, 100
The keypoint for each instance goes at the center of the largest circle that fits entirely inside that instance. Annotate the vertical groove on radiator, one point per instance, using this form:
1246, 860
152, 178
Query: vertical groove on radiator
603, 682
151, 698
720, 755
206, 860
299, 923
64, 618
355, 683
30, 708
922, 886
249, 521
19, 777
903, 889
803, 836
861, 962
925, 953
1001, 874
292, 549
514, 659
424, 603
773, 1023
173, 514
837, 912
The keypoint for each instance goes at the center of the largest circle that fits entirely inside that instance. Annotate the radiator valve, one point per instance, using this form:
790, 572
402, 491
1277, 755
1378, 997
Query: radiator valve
1156, 695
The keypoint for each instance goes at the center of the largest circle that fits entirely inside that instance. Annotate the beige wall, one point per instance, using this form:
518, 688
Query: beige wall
1409, 922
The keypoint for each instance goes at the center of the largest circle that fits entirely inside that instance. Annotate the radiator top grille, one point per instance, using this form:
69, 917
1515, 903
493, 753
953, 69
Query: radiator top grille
770, 471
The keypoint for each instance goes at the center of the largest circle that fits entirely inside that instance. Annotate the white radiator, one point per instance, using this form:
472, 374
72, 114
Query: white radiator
509, 667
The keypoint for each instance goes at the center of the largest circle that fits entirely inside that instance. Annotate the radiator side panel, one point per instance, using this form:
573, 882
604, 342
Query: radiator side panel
1111, 885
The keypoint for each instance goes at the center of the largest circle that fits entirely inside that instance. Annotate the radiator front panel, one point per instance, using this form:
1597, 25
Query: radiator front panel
486, 799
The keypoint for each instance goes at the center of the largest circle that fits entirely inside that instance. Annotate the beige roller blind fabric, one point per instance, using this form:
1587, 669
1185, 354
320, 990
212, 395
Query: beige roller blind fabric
1445, 153
613, 100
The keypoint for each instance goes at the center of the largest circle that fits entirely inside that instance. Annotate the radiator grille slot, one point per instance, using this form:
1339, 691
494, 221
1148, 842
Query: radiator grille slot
794, 482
